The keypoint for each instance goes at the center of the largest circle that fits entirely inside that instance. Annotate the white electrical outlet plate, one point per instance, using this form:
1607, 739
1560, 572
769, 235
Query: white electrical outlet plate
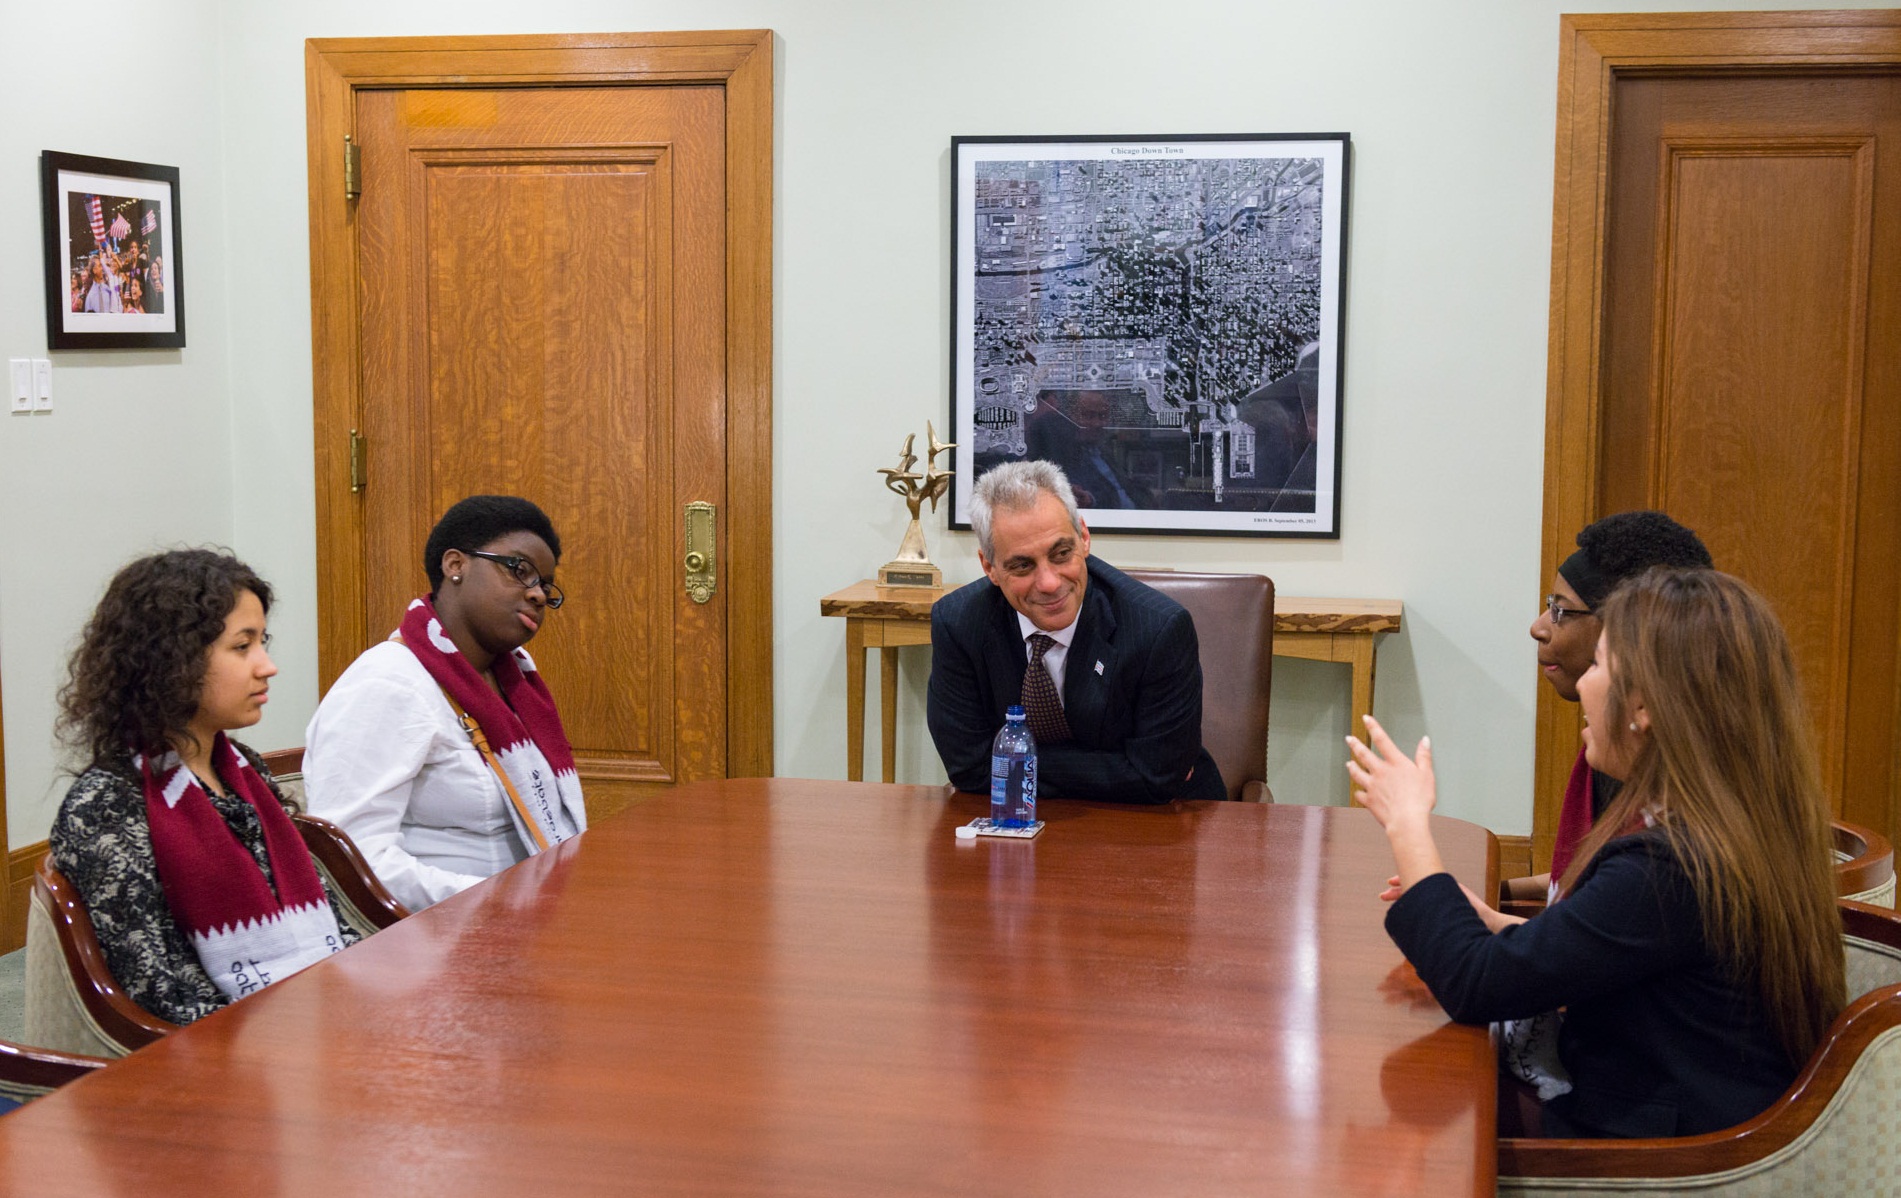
21, 370
42, 384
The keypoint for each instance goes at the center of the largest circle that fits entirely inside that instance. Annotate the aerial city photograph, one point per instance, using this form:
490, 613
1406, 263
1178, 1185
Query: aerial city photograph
1152, 325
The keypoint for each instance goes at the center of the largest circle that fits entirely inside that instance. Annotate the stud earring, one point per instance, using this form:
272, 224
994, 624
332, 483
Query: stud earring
457, 578
1633, 723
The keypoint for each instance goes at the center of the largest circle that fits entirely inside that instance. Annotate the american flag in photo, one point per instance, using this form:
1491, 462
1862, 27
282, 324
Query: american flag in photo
97, 217
120, 226
150, 223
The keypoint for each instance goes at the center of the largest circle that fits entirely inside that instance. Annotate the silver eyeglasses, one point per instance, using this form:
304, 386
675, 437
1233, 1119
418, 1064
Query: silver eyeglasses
1554, 605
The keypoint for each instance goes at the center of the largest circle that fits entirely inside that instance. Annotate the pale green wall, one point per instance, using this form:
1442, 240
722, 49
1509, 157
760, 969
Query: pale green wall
136, 454
1451, 107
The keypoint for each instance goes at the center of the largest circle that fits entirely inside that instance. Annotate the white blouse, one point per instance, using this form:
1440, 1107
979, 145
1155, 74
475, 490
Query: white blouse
386, 758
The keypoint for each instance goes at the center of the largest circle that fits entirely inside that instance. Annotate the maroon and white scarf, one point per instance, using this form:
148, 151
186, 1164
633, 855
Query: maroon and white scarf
521, 726
245, 935
1574, 822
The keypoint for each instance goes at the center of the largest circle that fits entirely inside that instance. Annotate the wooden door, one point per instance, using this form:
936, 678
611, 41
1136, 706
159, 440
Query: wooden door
1748, 355
540, 310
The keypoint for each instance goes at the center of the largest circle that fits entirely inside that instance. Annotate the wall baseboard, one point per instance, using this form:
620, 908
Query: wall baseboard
21, 863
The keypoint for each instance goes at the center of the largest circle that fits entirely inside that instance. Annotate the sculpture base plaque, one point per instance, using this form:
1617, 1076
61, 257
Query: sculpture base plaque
910, 574
911, 568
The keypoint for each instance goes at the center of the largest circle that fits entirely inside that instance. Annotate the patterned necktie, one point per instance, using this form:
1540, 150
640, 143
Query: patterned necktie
1042, 709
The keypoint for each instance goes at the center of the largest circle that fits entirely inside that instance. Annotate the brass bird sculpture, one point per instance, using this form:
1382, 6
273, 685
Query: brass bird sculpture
912, 566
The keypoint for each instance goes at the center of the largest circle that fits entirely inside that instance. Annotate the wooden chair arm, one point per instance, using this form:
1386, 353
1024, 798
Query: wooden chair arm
1870, 922
338, 854
1688, 1156
284, 761
120, 1018
1871, 858
43, 1068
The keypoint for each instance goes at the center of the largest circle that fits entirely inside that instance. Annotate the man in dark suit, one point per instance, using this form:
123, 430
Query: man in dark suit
1115, 663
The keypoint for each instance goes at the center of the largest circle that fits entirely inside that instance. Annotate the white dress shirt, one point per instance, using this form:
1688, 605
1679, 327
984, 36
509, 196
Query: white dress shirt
386, 758
1056, 657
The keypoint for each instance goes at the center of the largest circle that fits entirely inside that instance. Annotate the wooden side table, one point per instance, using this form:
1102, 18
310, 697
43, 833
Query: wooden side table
884, 618
1342, 630
887, 618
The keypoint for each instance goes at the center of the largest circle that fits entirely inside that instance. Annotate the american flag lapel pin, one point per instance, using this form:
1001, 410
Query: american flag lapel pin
1098, 669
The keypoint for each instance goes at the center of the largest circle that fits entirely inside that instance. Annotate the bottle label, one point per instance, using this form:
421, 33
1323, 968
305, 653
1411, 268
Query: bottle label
1013, 789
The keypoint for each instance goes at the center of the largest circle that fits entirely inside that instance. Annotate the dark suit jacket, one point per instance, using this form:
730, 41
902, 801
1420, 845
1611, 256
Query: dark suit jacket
1136, 723
1658, 1039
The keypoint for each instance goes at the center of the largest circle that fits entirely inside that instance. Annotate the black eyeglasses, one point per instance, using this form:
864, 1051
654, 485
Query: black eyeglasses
1553, 604
525, 573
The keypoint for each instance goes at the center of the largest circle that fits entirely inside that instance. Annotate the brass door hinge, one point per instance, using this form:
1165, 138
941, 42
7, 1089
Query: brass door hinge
357, 479
352, 168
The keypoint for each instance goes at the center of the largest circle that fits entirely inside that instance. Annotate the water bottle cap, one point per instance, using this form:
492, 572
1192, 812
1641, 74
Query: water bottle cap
1013, 712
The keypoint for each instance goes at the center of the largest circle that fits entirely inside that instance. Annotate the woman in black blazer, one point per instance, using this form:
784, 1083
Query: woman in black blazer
1695, 950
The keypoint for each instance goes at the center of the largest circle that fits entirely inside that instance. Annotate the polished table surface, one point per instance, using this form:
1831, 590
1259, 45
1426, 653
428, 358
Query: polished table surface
813, 988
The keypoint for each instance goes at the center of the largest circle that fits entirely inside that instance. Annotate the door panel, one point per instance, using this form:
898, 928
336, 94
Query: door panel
1752, 368
542, 315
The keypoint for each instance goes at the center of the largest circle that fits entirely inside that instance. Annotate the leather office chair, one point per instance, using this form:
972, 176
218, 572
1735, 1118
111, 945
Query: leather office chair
1234, 621
1836, 1131
28, 1073
73, 1004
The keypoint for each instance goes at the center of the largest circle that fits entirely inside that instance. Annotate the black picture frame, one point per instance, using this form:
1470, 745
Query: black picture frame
100, 218
1164, 316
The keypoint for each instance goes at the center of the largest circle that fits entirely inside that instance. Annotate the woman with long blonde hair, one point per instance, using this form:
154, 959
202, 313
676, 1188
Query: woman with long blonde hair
1696, 950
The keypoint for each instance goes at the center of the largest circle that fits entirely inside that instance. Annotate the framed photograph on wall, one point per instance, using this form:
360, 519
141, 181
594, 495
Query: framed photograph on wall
1160, 316
114, 274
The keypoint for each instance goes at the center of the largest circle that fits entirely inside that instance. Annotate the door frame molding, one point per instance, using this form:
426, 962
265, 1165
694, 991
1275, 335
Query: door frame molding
1593, 51
738, 61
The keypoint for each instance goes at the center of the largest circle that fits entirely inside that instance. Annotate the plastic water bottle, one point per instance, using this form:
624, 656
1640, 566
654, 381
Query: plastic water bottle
1013, 773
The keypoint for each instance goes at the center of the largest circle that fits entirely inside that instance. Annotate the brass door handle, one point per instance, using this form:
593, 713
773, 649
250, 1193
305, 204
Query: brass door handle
701, 550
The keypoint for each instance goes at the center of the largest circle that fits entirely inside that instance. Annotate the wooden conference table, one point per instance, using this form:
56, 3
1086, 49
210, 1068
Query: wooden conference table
813, 988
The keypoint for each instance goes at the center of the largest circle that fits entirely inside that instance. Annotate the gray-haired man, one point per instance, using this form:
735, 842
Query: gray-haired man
1108, 669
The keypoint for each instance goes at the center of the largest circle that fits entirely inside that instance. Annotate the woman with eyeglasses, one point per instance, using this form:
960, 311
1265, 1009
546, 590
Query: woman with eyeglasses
440, 750
175, 836
1609, 551
1696, 954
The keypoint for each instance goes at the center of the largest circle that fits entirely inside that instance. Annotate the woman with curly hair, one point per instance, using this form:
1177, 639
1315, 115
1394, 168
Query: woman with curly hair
1697, 951
440, 750
177, 839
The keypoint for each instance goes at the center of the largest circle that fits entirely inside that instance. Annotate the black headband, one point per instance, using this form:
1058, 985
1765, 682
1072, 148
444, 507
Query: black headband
1586, 579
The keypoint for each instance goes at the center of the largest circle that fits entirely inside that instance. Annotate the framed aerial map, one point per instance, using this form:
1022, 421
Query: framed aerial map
1159, 316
